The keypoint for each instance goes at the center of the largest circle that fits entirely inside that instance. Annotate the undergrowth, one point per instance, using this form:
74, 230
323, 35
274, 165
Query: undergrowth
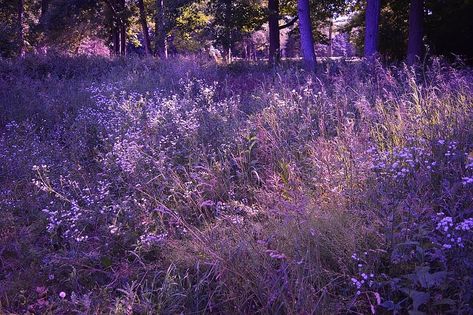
144, 187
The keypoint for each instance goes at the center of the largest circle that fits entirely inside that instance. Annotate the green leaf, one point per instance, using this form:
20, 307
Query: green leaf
418, 297
429, 280
390, 305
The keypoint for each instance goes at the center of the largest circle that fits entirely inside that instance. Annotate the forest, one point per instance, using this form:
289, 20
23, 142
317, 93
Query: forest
236, 157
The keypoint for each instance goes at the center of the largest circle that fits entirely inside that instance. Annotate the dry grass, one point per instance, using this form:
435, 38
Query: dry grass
138, 187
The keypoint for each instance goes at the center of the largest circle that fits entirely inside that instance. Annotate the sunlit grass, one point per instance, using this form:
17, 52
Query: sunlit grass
135, 186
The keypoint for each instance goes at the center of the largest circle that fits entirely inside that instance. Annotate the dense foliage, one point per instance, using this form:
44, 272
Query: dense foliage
197, 156
190, 26
448, 28
144, 187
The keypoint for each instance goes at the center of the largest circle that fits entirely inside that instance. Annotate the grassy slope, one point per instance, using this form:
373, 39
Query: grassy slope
142, 187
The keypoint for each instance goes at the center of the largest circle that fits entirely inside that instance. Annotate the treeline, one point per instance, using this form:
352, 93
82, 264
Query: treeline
393, 29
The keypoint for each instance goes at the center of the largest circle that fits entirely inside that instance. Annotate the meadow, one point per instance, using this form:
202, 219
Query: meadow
136, 186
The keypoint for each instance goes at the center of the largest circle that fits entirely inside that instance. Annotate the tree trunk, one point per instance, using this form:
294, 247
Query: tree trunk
416, 31
122, 28
373, 9
307, 41
227, 44
330, 39
116, 41
161, 44
44, 9
229, 55
41, 46
21, 39
144, 28
122, 40
274, 40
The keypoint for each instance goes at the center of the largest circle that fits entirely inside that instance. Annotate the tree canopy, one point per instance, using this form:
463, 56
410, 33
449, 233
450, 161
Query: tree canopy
235, 27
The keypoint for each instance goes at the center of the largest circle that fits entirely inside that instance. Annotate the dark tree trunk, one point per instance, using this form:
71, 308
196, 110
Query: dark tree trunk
307, 41
144, 28
161, 44
373, 9
41, 47
330, 39
21, 35
44, 9
122, 40
229, 55
416, 31
116, 41
122, 27
115, 12
228, 42
274, 40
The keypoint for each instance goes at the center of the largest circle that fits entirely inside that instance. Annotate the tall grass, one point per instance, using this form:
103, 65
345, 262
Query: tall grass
143, 187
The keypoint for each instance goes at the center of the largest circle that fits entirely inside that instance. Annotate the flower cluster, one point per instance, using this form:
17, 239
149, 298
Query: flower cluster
365, 278
454, 233
65, 223
420, 157
403, 161
150, 239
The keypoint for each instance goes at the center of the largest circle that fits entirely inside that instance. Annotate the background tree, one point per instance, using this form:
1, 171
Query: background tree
307, 42
21, 34
235, 26
167, 13
121, 19
322, 15
274, 38
233, 20
449, 28
118, 9
373, 8
144, 27
274, 16
69, 23
161, 47
18, 26
392, 29
416, 31
44, 8
192, 29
